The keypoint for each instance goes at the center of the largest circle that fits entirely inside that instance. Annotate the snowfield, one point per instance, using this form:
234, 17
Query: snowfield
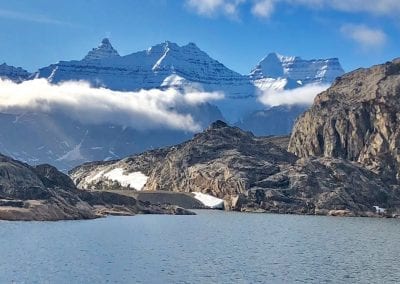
209, 200
135, 180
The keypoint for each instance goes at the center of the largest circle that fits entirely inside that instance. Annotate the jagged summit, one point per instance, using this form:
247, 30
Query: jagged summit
218, 124
104, 50
276, 66
105, 41
270, 66
164, 65
16, 74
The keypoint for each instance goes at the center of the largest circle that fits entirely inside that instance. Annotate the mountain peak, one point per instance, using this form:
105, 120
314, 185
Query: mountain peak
105, 41
104, 50
16, 74
277, 66
218, 124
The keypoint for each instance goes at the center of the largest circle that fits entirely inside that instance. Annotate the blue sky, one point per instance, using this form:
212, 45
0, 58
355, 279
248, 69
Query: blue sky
238, 33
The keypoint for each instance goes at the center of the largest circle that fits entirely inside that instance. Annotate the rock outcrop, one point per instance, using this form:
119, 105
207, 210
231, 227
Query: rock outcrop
221, 161
43, 193
357, 119
322, 186
252, 174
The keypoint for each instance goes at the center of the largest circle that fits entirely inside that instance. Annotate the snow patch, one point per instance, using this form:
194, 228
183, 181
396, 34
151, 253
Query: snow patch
379, 209
209, 200
135, 180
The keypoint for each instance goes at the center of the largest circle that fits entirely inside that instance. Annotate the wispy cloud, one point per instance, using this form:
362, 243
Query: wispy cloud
145, 109
265, 8
35, 18
366, 37
303, 95
377, 7
211, 8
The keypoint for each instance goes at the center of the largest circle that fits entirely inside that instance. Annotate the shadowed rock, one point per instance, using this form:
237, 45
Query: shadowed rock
43, 193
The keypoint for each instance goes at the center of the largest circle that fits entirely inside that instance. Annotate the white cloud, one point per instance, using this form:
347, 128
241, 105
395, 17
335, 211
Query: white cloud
377, 7
303, 95
140, 110
365, 36
263, 8
195, 98
215, 7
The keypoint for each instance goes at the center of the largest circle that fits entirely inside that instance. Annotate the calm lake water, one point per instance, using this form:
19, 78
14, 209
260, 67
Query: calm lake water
212, 247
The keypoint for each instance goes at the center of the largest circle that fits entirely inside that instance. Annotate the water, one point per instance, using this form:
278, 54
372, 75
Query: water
212, 247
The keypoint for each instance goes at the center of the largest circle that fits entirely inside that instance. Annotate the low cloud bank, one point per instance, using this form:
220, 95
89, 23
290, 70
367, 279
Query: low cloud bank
145, 109
303, 95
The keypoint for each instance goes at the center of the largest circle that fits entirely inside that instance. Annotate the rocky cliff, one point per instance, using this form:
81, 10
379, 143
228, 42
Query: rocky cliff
251, 174
357, 119
43, 193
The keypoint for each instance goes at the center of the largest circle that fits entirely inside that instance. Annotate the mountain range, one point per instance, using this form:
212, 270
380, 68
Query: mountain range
342, 157
65, 142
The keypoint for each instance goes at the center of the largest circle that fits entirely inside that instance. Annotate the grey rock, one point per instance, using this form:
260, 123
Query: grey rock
255, 174
357, 119
43, 193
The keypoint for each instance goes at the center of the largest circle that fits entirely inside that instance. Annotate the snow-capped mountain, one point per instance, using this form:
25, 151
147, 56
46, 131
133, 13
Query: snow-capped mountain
16, 74
103, 51
65, 142
168, 65
147, 69
162, 66
277, 73
297, 69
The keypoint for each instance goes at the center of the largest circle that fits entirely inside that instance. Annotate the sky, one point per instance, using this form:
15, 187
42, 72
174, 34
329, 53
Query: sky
238, 33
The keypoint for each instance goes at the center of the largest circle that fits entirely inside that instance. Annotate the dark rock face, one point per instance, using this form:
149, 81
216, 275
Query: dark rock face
356, 119
51, 177
220, 161
323, 186
19, 181
44, 193
254, 174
